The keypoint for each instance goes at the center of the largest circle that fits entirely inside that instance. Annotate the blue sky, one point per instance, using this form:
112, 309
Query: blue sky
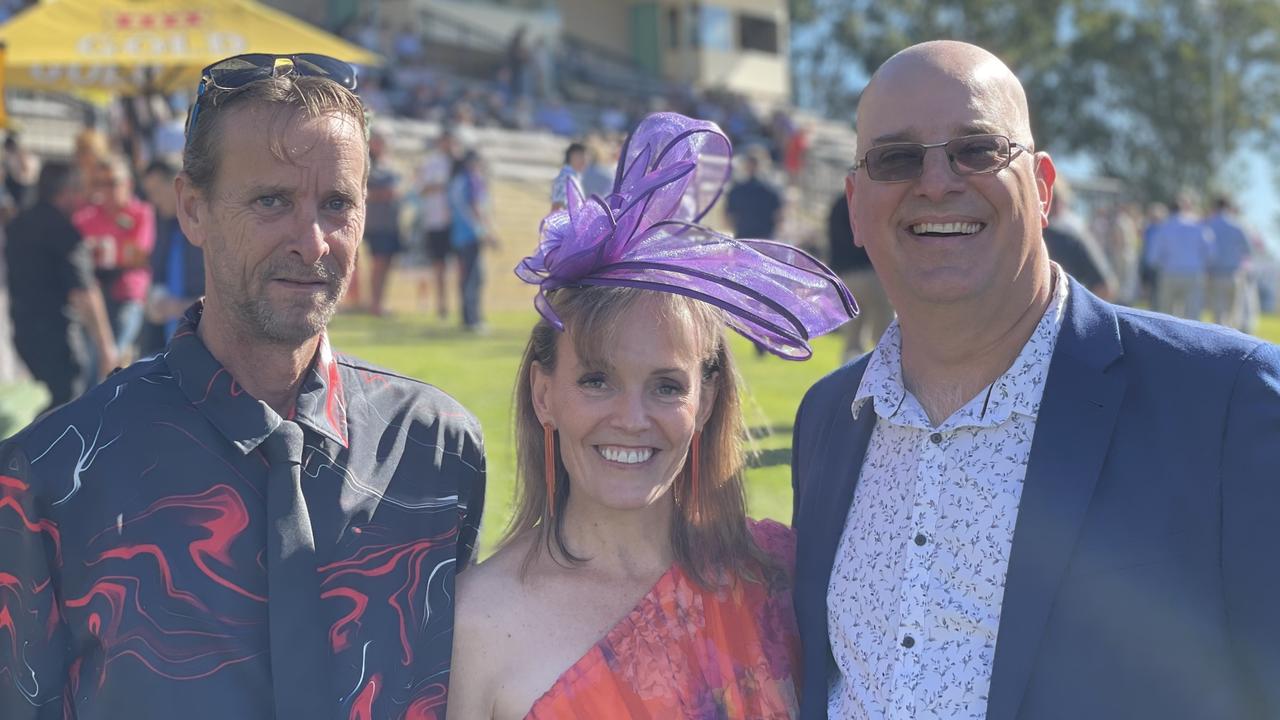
1259, 202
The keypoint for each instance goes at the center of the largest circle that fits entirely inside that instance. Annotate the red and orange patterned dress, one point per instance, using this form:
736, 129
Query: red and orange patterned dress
686, 652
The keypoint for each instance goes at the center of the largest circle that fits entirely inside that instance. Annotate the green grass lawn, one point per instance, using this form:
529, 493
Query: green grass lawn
1269, 328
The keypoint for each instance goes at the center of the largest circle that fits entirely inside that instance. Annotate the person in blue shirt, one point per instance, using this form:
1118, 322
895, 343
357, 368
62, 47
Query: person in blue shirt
469, 207
575, 162
1180, 252
1231, 251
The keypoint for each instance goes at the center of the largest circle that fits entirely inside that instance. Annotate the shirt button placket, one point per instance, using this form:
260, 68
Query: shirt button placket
929, 484
908, 676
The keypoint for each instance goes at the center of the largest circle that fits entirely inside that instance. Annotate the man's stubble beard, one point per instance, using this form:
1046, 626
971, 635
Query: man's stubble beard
259, 319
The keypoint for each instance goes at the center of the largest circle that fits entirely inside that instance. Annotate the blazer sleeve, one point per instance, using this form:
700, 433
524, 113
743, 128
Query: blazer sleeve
1250, 480
33, 638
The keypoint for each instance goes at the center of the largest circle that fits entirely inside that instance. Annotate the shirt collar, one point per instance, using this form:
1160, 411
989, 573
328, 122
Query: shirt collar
322, 404
882, 380
242, 419
1017, 390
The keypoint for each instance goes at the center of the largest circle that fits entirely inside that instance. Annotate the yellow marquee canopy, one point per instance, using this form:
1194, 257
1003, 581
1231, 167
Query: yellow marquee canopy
129, 46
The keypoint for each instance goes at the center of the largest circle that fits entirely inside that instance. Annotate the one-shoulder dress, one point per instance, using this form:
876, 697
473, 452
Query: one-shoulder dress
687, 652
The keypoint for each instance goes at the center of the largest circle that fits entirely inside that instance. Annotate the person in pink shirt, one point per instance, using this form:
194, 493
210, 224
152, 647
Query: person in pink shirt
120, 231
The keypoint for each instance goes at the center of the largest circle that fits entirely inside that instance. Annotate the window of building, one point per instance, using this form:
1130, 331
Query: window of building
758, 33
715, 28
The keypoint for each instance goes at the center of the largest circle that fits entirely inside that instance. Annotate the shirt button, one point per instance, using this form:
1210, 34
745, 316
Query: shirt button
920, 539
935, 438
908, 642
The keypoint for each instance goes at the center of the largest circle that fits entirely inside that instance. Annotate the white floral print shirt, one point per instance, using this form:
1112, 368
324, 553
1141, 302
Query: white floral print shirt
914, 600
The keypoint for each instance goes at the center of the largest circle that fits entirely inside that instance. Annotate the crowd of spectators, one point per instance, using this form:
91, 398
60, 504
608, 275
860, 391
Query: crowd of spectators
530, 87
1194, 261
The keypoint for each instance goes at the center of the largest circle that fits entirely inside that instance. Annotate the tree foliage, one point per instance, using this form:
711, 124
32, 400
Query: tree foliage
1133, 84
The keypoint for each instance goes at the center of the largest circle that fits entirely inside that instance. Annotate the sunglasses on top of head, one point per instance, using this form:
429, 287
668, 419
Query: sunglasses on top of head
236, 72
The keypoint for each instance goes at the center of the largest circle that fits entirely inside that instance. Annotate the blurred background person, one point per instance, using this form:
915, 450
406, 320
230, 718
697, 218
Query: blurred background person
177, 266
120, 231
1227, 265
1123, 246
1072, 246
472, 232
754, 205
852, 263
382, 222
1181, 248
433, 187
90, 148
52, 289
21, 169
602, 161
1157, 215
1261, 275
575, 161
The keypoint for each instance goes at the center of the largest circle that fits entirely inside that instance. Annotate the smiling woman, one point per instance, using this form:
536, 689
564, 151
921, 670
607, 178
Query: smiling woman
624, 390
631, 530
630, 582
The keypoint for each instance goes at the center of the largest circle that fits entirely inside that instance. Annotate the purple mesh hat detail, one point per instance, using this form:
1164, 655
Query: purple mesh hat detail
645, 234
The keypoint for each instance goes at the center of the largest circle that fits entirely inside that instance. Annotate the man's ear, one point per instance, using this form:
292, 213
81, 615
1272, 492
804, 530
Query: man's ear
192, 209
1046, 173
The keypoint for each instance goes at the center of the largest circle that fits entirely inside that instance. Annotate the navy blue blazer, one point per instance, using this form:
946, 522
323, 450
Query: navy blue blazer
1144, 580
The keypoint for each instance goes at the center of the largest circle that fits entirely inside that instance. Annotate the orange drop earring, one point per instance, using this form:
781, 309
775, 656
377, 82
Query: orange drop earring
695, 457
549, 444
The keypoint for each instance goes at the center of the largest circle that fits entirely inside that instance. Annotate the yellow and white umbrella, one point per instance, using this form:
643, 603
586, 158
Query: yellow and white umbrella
123, 47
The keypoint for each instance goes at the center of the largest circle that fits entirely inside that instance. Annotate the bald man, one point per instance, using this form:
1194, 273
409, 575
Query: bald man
1025, 502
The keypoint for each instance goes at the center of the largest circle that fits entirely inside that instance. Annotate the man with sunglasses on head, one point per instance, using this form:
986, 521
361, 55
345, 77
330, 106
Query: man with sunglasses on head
247, 525
1025, 502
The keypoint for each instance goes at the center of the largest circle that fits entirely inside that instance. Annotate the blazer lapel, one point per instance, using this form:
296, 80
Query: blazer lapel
848, 448
1078, 411
840, 447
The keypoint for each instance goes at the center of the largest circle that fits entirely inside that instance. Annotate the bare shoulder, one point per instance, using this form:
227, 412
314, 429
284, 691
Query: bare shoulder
486, 616
487, 589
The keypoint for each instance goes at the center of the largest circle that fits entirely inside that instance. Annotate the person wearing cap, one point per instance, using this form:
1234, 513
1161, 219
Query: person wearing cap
1026, 502
630, 582
248, 525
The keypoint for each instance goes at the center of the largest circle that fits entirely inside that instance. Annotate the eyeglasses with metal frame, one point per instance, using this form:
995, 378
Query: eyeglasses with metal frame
968, 155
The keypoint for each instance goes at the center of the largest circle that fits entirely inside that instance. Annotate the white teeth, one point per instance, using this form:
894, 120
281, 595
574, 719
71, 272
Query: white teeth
962, 228
626, 456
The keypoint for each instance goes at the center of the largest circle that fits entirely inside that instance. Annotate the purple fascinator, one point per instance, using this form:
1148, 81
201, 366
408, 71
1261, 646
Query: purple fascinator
646, 234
